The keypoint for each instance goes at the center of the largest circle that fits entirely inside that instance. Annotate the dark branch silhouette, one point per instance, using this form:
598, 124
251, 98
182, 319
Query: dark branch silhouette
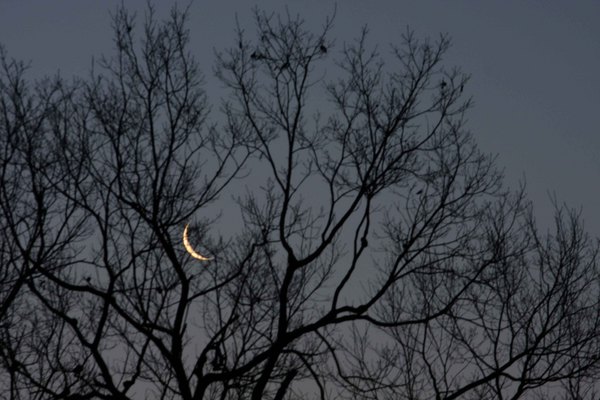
378, 254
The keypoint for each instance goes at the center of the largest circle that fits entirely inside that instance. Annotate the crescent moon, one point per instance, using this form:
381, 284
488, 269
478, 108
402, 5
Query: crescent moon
190, 249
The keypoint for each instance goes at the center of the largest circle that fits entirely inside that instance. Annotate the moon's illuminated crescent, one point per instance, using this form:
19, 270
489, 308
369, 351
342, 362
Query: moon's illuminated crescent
190, 249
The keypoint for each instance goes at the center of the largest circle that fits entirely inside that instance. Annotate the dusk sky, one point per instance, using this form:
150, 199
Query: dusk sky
533, 65
282, 246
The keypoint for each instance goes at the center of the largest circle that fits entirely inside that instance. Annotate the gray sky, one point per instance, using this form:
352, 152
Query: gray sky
534, 66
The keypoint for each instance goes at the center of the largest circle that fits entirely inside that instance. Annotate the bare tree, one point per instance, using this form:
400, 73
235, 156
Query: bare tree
378, 256
38, 225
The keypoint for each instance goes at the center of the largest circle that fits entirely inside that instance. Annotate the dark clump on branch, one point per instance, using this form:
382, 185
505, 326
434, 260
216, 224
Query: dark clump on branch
257, 56
285, 65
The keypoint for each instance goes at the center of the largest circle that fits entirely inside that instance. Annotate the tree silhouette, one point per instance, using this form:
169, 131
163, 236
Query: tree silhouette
378, 255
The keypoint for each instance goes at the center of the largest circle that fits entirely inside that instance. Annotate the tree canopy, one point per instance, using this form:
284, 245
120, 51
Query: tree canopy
379, 254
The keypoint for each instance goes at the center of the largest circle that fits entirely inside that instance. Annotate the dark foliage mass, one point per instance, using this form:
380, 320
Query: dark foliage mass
378, 254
